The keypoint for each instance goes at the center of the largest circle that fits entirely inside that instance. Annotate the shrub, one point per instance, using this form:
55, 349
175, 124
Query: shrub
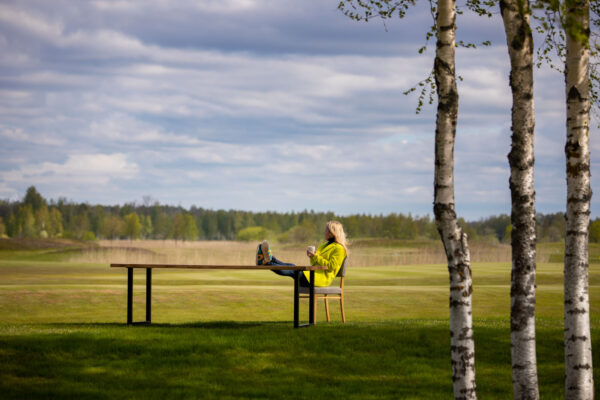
299, 234
88, 235
252, 233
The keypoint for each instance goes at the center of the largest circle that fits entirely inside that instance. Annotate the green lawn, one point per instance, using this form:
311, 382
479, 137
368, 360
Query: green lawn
228, 334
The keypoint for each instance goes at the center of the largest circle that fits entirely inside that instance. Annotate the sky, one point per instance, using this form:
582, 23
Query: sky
257, 105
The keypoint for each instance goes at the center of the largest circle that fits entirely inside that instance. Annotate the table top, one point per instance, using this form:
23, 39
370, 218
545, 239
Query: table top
208, 266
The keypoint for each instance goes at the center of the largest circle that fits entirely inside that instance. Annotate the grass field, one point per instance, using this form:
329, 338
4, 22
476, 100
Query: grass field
228, 334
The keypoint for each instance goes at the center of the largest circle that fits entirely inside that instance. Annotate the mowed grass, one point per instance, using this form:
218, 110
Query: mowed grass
228, 334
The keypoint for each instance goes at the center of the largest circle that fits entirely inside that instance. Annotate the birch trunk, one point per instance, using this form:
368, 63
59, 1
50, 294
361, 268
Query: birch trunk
579, 383
455, 241
515, 15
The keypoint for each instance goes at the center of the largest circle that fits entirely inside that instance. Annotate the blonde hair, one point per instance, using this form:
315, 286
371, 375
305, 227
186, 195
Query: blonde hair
337, 230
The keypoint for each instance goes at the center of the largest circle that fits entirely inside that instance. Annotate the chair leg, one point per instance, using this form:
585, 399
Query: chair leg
327, 308
342, 307
315, 309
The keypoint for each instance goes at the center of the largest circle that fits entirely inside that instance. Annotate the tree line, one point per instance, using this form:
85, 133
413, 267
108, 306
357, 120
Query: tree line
36, 217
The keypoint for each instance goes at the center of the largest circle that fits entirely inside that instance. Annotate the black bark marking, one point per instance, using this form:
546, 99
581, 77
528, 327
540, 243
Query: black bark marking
523, 281
581, 198
574, 95
520, 366
456, 303
574, 338
470, 390
582, 366
459, 349
439, 209
441, 66
576, 233
576, 169
522, 312
464, 334
519, 39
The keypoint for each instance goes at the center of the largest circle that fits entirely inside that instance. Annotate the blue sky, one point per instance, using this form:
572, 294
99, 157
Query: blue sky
256, 105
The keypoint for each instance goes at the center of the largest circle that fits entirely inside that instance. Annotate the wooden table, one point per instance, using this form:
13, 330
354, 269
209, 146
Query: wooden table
149, 267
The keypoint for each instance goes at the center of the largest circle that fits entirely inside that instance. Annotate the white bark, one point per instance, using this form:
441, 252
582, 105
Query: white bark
515, 15
455, 241
579, 382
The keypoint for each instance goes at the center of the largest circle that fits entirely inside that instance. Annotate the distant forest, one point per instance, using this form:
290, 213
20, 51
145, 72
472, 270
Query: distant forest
36, 217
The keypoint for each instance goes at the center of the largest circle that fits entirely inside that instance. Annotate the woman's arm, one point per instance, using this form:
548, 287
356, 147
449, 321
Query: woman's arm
333, 261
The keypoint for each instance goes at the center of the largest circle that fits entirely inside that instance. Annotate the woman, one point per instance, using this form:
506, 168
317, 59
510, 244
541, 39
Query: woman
330, 254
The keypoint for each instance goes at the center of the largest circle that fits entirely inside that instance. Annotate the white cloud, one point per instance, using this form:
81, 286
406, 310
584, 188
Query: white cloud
503, 171
119, 6
87, 169
223, 153
14, 134
15, 96
7, 191
20, 135
33, 24
418, 190
123, 128
207, 6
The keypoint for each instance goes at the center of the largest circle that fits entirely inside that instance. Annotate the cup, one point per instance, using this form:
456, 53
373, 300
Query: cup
311, 249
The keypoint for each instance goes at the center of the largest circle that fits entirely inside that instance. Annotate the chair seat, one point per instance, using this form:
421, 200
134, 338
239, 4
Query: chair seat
321, 290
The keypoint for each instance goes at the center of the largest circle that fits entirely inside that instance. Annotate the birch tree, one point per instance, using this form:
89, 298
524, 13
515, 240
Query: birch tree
519, 40
567, 29
579, 380
462, 345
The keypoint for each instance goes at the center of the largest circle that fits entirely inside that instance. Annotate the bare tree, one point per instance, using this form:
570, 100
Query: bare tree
579, 382
515, 16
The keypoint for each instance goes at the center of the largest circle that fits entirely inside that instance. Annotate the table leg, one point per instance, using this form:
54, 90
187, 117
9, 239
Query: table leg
148, 294
311, 299
129, 296
296, 299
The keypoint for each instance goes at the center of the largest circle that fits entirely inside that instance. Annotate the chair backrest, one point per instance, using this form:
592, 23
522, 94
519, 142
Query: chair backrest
342, 272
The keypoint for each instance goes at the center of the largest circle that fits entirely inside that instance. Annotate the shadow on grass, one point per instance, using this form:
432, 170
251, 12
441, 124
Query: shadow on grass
223, 359
198, 324
258, 359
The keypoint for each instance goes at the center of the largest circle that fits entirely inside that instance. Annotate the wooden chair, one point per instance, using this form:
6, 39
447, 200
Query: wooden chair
329, 293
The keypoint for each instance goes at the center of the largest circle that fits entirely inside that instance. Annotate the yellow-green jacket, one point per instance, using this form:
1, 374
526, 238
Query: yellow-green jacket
331, 256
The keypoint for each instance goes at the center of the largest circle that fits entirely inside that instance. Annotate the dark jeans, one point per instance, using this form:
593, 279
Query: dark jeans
288, 272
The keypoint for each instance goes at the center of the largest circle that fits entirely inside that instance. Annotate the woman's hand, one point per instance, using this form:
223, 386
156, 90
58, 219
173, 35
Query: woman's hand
310, 254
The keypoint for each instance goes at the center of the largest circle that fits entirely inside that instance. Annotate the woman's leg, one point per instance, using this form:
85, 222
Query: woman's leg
288, 272
282, 272
275, 261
